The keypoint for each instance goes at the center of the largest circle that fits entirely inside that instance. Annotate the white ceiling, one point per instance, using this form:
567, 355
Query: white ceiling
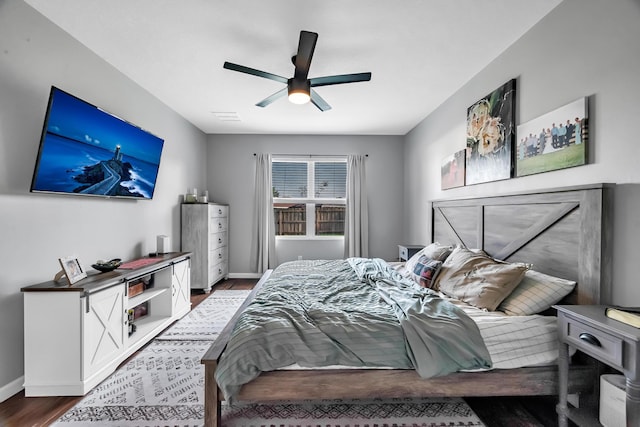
418, 51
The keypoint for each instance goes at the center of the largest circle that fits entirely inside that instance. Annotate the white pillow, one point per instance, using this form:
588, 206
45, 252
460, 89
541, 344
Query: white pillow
536, 293
435, 251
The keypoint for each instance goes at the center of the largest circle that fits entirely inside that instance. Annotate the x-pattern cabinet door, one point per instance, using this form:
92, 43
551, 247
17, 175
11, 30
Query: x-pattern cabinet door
103, 328
181, 287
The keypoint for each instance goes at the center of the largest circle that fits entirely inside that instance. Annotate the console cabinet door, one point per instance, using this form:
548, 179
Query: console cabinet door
104, 329
181, 288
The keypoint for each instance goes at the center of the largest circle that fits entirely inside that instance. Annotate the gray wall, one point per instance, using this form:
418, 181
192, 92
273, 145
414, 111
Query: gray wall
582, 48
231, 176
37, 229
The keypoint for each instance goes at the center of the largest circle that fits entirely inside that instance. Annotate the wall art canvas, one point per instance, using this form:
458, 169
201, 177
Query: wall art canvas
452, 170
553, 141
491, 136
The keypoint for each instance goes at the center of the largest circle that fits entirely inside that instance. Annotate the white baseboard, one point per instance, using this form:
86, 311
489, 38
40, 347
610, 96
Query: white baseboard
245, 275
8, 390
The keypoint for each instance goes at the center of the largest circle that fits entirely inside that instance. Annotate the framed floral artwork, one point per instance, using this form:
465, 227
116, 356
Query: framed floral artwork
491, 135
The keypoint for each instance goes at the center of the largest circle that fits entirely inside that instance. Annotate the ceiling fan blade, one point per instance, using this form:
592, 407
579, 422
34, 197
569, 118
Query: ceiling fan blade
306, 46
268, 100
339, 79
319, 102
253, 71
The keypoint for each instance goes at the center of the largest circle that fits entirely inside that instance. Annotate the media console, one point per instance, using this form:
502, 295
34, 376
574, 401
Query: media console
77, 335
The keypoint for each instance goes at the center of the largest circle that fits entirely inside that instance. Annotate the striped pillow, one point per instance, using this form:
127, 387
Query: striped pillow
536, 293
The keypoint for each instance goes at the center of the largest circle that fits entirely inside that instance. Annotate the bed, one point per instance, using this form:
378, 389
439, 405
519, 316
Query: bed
563, 232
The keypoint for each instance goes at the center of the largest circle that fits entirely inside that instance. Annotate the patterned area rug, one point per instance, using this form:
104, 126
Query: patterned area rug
163, 386
208, 319
373, 413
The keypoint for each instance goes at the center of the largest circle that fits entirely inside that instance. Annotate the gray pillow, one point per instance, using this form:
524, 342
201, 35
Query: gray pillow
478, 279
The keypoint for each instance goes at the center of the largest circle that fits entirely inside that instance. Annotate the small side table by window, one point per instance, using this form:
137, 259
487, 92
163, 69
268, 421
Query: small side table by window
407, 251
587, 329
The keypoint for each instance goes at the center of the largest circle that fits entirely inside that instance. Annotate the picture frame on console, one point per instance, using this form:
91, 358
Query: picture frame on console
72, 268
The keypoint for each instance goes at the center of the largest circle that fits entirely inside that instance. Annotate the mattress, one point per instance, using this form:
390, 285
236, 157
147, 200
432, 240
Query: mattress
516, 341
312, 312
512, 341
354, 312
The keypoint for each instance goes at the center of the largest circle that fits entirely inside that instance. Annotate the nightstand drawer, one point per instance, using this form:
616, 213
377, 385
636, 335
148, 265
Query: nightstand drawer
404, 252
597, 343
407, 251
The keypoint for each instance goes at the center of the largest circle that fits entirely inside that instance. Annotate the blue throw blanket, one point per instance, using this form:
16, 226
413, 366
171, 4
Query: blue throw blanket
355, 312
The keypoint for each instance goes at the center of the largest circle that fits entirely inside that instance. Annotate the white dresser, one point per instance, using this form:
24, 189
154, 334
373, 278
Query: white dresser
205, 228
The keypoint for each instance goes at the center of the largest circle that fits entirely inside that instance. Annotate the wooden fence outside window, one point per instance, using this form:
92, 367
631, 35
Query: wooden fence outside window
292, 220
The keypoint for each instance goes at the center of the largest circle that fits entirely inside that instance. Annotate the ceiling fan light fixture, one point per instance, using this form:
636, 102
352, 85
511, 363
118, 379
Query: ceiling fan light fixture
299, 91
299, 97
299, 86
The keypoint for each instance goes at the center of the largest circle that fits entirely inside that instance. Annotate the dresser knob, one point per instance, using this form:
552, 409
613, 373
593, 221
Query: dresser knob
590, 339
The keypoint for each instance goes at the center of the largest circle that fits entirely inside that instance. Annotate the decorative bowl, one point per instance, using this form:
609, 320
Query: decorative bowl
105, 266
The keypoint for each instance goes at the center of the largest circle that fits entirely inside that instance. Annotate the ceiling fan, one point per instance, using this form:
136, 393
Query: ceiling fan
299, 87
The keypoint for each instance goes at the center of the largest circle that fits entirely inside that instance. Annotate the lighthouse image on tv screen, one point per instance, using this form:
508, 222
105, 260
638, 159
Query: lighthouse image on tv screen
85, 150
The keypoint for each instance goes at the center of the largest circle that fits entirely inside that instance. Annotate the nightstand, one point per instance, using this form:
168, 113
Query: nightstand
407, 251
587, 329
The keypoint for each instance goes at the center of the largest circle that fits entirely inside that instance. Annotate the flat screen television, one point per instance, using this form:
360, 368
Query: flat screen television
86, 151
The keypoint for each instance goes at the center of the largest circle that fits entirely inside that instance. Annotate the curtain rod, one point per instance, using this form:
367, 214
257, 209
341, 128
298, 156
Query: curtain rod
310, 155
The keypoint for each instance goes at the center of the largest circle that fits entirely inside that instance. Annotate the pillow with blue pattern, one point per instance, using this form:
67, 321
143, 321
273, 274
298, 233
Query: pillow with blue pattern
425, 271
435, 251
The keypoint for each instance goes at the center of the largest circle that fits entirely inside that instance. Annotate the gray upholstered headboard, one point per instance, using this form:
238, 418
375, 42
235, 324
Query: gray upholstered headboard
565, 232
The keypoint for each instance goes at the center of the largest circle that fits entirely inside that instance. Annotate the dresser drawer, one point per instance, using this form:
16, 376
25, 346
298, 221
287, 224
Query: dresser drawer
218, 211
218, 255
217, 240
216, 272
218, 224
595, 342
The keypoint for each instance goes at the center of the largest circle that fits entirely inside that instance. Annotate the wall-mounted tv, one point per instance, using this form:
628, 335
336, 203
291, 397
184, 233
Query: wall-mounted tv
85, 150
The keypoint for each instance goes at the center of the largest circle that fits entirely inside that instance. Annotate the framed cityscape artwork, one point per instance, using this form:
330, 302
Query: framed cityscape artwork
490, 136
452, 170
555, 140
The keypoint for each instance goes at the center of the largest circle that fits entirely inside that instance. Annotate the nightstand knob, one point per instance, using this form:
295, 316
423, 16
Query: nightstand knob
590, 339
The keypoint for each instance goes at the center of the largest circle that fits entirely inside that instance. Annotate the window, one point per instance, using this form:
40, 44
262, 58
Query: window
309, 196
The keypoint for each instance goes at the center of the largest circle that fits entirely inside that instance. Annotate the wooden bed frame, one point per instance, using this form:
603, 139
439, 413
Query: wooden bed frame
564, 232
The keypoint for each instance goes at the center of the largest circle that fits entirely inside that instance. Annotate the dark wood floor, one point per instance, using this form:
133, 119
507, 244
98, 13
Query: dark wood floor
21, 411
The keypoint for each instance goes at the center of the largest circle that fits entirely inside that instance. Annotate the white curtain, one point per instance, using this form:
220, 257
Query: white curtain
263, 247
356, 221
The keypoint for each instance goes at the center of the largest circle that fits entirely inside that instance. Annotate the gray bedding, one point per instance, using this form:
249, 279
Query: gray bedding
357, 312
